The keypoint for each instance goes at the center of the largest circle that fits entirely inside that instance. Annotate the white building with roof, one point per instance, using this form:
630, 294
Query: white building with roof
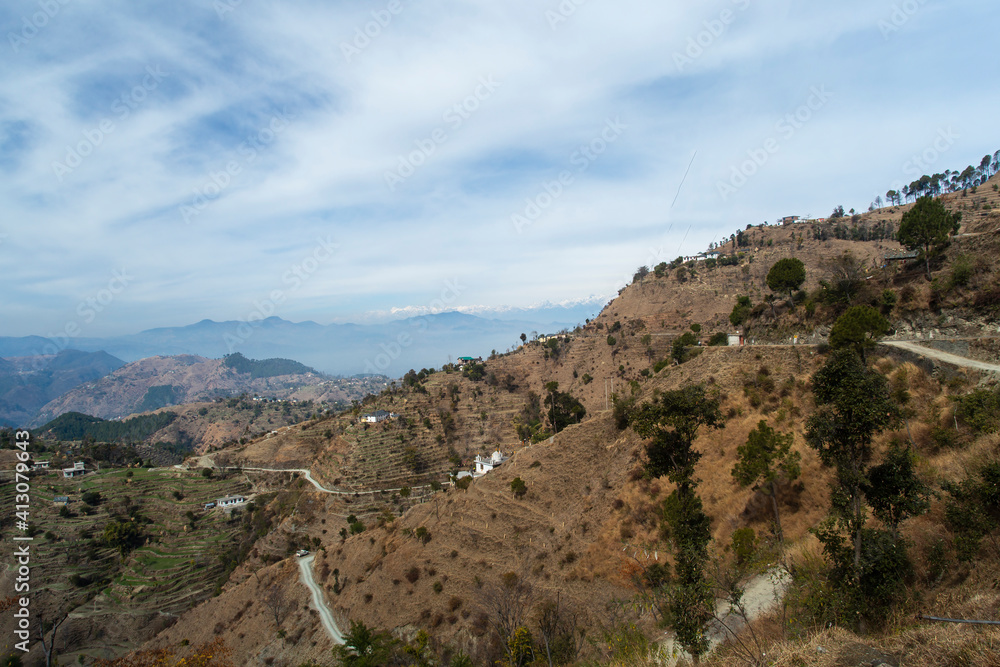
75, 471
486, 464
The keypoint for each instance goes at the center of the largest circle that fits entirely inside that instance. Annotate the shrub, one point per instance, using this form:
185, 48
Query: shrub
518, 487
980, 410
887, 301
961, 272
413, 574
438, 587
973, 509
744, 544
679, 349
719, 339
612, 340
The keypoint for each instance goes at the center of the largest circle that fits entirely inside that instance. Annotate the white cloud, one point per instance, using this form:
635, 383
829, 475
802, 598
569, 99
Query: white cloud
324, 174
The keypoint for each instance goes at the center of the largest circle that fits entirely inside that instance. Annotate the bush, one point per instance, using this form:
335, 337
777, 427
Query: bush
413, 574
622, 411
980, 410
887, 301
518, 487
612, 340
92, 497
679, 349
744, 544
718, 339
961, 273
587, 379
973, 509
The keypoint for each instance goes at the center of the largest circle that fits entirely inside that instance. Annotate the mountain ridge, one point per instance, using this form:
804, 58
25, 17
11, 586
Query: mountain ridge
340, 349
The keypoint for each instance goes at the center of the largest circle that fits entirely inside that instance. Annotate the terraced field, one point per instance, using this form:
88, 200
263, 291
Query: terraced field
421, 446
118, 601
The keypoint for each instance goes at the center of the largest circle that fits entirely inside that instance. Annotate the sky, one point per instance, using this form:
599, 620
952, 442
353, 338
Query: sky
166, 162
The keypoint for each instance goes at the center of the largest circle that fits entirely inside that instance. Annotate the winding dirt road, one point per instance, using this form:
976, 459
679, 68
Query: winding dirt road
947, 357
318, 603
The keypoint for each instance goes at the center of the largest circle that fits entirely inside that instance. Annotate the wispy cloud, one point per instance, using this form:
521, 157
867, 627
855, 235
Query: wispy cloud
168, 99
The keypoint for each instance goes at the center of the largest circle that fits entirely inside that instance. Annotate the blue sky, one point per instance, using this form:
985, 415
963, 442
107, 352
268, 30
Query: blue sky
161, 163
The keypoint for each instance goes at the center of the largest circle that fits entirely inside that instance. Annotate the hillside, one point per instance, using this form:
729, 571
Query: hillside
157, 382
28, 383
117, 602
400, 556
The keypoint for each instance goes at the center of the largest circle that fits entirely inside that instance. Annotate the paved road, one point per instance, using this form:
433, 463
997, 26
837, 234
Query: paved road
325, 615
942, 356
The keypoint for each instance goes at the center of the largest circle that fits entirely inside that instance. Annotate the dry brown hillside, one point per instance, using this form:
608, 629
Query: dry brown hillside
589, 522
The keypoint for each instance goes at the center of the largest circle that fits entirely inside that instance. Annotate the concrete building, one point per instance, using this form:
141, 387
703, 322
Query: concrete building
486, 464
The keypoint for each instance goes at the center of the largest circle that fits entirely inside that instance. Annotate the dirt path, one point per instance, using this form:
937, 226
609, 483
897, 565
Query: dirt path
942, 356
325, 615
207, 462
761, 595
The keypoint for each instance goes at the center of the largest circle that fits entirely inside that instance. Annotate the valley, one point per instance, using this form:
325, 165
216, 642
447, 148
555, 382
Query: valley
570, 537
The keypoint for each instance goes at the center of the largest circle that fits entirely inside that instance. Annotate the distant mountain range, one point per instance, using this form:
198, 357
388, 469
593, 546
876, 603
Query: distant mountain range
389, 348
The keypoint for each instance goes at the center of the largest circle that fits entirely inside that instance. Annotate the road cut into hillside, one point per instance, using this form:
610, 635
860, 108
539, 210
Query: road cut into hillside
940, 355
325, 615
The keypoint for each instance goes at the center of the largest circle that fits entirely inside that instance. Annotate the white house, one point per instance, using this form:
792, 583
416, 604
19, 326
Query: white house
484, 464
377, 416
735, 340
75, 471
230, 501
